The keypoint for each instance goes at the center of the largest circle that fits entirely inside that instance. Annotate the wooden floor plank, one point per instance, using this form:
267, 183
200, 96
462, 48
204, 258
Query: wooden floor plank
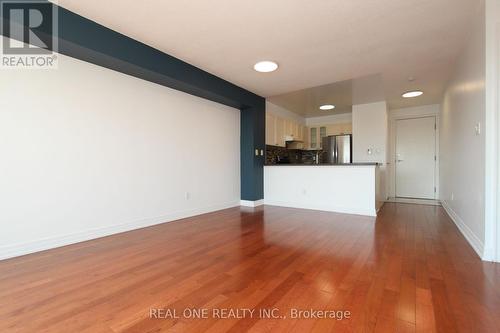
408, 270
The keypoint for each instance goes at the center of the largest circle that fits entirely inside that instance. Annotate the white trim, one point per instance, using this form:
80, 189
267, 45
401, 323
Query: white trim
53, 242
249, 203
473, 240
326, 208
492, 138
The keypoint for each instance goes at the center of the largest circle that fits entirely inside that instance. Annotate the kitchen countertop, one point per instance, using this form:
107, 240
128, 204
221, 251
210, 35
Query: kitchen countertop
326, 164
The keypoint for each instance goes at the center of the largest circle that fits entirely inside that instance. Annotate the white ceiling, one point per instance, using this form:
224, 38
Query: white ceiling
343, 94
315, 42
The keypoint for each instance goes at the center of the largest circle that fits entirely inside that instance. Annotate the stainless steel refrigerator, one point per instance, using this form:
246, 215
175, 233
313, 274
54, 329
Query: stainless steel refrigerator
337, 149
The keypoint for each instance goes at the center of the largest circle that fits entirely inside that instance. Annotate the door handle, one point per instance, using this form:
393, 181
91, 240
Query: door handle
399, 161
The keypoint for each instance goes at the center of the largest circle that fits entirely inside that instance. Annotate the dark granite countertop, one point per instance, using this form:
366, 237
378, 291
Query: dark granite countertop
326, 164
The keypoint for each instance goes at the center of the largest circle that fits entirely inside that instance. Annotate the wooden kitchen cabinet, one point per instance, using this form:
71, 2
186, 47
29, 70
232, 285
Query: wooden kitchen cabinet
291, 128
270, 129
278, 128
305, 137
313, 138
288, 127
275, 130
316, 134
300, 132
280, 132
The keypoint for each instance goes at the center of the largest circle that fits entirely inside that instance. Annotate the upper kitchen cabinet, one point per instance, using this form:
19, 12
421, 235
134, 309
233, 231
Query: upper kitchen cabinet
300, 132
313, 138
270, 129
305, 136
280, 132
316, 134
292, 128
277, 129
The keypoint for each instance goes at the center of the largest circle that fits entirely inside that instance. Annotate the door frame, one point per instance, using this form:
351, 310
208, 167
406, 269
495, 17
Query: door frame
491, 251
404, 114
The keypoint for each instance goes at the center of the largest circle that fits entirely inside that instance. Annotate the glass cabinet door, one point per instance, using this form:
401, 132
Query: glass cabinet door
322, 134
314, 137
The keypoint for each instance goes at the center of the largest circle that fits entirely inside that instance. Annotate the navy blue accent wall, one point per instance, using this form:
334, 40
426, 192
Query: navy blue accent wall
252, 137
86, 40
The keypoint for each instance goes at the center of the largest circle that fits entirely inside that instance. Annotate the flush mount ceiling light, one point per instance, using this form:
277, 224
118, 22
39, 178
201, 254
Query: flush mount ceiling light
411, 94
327, 107
265, 66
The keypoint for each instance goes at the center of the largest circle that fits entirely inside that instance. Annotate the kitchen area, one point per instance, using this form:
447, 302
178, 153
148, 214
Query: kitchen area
319, 163
290, 142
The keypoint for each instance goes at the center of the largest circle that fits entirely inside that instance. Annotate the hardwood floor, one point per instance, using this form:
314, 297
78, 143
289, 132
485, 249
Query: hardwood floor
409, 270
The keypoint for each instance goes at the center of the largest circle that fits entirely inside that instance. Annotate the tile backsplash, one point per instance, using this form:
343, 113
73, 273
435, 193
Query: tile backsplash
279, 155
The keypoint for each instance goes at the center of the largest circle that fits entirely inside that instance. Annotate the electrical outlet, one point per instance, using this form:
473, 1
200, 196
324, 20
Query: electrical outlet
304, 191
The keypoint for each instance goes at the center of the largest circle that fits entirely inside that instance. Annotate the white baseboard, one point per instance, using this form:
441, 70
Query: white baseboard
327, 208
249, 203
473, 240
16, 250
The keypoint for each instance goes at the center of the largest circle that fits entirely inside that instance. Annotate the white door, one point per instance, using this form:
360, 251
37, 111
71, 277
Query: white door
416, 158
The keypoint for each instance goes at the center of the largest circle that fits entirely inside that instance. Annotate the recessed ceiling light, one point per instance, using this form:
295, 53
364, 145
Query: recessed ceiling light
411, 94
265, 66
327, 107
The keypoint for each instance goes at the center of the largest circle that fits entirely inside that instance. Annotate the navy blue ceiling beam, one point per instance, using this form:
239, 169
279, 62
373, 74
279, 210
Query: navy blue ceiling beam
89, 41
75, 30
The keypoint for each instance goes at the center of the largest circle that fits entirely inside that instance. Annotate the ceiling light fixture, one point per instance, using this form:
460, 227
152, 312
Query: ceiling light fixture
411, 94
327, 107
265, 66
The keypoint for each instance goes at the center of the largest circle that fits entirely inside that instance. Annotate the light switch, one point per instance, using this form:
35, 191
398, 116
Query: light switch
477, 128
262, 152
256, 152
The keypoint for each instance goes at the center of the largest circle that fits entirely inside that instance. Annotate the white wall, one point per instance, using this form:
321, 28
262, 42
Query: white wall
284, 113
342, 118
408, 113
415, 112
462, 152
370, 131
87, 151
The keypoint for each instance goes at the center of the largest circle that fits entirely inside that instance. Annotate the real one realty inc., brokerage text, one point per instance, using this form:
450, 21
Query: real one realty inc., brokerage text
242, 313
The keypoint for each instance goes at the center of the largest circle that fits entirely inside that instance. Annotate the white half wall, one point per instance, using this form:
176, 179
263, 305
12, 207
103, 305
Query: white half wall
462, 150
87, 152
336, 188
